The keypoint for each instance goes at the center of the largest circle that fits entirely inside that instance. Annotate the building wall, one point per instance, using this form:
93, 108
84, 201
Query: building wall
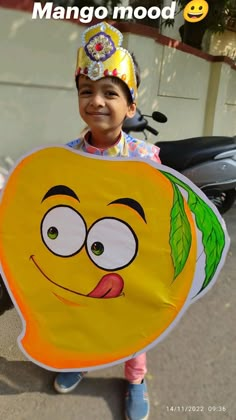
174, 83
223, 44
38, 99
225, 109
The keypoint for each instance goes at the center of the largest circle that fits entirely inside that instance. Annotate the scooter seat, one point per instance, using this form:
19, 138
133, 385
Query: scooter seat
181, 154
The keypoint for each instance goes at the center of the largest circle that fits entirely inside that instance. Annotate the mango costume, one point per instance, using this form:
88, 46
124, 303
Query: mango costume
102, 256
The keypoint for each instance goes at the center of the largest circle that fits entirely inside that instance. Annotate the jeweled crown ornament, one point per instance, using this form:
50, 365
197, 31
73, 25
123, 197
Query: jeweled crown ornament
101, 55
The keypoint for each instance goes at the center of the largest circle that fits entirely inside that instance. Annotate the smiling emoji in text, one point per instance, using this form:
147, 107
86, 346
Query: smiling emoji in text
195, 11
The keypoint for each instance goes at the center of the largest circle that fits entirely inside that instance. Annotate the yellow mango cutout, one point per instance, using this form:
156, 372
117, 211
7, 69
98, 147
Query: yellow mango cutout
86, 255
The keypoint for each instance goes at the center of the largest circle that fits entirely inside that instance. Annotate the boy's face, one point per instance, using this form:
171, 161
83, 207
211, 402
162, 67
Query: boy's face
103, 104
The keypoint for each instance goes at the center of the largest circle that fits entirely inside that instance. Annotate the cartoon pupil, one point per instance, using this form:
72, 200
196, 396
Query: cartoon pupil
52, 232
97, 248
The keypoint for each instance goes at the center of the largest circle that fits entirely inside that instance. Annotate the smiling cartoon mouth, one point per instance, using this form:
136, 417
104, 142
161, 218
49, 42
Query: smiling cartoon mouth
110, 286
194, 15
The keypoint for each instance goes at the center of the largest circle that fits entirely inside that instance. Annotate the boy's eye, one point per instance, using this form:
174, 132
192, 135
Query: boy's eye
111, 93
85, 92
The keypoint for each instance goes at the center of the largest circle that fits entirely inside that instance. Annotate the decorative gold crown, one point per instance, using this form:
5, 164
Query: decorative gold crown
101, 55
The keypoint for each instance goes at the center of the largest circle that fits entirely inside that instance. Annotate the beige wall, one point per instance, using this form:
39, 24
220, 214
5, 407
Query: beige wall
223, 44
38, 101
225, 110
198, 96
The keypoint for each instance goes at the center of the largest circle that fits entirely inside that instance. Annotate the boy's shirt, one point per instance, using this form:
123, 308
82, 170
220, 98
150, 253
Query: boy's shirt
126, 146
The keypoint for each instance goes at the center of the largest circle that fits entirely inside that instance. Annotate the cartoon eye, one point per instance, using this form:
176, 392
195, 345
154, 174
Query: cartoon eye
200, 7
111, 244
63, 231
193, 7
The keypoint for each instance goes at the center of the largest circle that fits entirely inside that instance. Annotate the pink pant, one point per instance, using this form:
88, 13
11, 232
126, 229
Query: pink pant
136, 368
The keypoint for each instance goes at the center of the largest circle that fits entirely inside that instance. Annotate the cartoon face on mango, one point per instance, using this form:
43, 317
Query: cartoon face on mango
195, 11
85, 248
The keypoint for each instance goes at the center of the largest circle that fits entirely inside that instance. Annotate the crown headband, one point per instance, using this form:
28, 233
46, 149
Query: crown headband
101, 55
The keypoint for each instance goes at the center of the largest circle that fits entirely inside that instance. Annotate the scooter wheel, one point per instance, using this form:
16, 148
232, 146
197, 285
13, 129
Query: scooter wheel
223, 200
5, 300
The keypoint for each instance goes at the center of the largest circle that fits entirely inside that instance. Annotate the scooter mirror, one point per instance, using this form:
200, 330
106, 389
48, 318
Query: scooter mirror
159, 117
137, 123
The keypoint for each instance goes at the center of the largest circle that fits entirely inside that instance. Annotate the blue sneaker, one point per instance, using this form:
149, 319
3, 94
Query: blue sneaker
136, 402
67, 381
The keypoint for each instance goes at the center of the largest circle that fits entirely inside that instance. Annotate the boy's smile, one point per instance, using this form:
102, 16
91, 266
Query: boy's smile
103, 105
97, 114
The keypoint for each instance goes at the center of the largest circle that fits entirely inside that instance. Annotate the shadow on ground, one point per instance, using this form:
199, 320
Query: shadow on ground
20, 377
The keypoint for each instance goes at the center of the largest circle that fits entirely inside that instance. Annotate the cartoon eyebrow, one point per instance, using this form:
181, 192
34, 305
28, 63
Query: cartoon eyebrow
131, 203
60, 190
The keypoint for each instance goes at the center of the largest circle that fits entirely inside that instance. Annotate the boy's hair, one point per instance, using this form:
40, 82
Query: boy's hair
118, 81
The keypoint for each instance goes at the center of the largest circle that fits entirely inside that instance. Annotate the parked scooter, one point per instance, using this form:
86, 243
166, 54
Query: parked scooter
209, 162
5, 300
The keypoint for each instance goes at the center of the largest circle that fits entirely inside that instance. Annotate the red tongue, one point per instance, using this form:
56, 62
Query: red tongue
110, 286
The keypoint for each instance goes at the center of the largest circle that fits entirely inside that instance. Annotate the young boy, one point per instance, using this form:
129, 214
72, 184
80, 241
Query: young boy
107, 79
